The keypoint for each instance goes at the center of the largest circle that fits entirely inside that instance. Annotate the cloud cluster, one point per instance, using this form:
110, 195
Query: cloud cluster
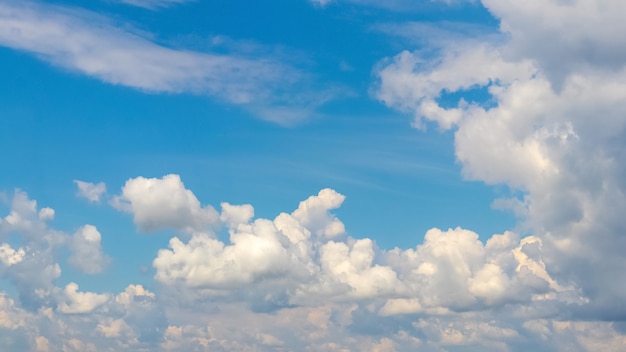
87, 255
33, 268
553, 129
297, 281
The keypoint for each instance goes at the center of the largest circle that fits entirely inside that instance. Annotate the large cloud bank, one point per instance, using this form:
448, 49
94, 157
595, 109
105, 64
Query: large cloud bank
556, 132
295, 282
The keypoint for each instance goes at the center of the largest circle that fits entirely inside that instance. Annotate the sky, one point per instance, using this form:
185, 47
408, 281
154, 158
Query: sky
312, 175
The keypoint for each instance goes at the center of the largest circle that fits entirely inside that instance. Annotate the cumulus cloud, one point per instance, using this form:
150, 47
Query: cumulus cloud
91, 191
87, 254
10, 256
164, 203
32, 268
296, 283
299, 281
292, 257
263, 249
75, 302
552, 129
31, 222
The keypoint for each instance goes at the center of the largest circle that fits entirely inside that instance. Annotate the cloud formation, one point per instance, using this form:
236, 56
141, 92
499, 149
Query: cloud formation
91, 191
154, 4
297, 281
88, 43
162, 203
552, 130
87, 255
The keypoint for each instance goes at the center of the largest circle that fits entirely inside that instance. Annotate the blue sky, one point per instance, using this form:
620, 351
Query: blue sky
431, 166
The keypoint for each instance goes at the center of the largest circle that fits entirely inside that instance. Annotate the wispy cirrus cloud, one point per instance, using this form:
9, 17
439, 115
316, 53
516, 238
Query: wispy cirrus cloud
394, 5
154, 4
84, 42
439, 34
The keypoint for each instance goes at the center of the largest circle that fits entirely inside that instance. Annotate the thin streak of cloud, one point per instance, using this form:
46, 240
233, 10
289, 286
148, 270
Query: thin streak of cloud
439, 34
154, 4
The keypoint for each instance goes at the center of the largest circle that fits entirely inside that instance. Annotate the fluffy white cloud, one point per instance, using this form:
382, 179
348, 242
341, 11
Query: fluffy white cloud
258, 251
550, 32
10, 256
291, 257
313, 213
91, 191
87, 254
261, 250
74, 302
164, 203
553, 130
235, 215
284, 283
33, 268
28, 221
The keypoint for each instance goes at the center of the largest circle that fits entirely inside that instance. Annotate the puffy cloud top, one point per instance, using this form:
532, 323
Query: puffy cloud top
162, 203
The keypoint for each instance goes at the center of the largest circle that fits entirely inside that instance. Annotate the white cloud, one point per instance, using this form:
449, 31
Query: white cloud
87, 254
164, 203
91, 191
42, 344
440, 34
313, 213
90, 44
131, 293
257, 252
11, 317
260, 250
235, 215
551, 33
284, 283
321, 2
553, 130
299, 282
113, 328
352, 265
293, 258
74, 302
411, 83
154, 4
394, 5
10, 256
